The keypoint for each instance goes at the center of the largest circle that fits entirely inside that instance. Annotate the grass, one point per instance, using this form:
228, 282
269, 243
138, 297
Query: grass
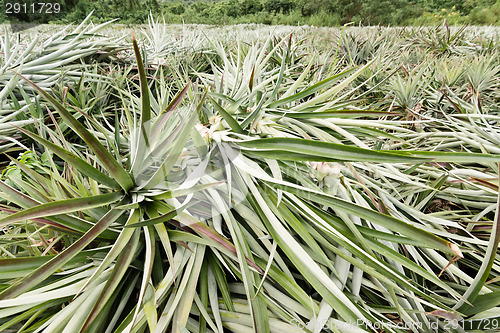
249, 179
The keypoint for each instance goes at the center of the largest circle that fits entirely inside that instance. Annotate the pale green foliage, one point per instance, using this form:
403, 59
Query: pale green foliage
266, 183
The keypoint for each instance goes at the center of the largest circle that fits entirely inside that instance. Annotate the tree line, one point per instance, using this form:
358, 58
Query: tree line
291, 12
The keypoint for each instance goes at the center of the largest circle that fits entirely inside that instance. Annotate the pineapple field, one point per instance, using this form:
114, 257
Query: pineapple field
248, 178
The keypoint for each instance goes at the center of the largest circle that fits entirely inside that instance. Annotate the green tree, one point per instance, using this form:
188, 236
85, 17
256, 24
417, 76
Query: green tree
347, 9
385, 12
176, 8
232, 8
486, 15
308, 8
250, 6
278, 6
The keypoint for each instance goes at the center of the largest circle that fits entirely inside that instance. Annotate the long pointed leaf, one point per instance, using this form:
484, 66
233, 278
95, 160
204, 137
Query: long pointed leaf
112, 166
62, 207
114, 280
75, 161
311, 90
44, 271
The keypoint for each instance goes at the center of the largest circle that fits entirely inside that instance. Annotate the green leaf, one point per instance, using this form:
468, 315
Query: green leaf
150, 243
150, 308
177, 99
146, 104
115, 279
203, 296
235, 126
182, 192
65, 221
183, 308
248, 120
62, 207
303, 262
282, 155
112, 166
338, 113
41, 273
438, 156
482, 303
487, 264
321, 151
221, 279
391, 223
173, 155
327, 151
311, 90
19, 267
282, 71
121, 242
162, 118
75, 161
156, 220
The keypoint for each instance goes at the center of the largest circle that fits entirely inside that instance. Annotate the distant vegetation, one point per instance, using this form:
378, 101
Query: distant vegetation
249, 178
291, 12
